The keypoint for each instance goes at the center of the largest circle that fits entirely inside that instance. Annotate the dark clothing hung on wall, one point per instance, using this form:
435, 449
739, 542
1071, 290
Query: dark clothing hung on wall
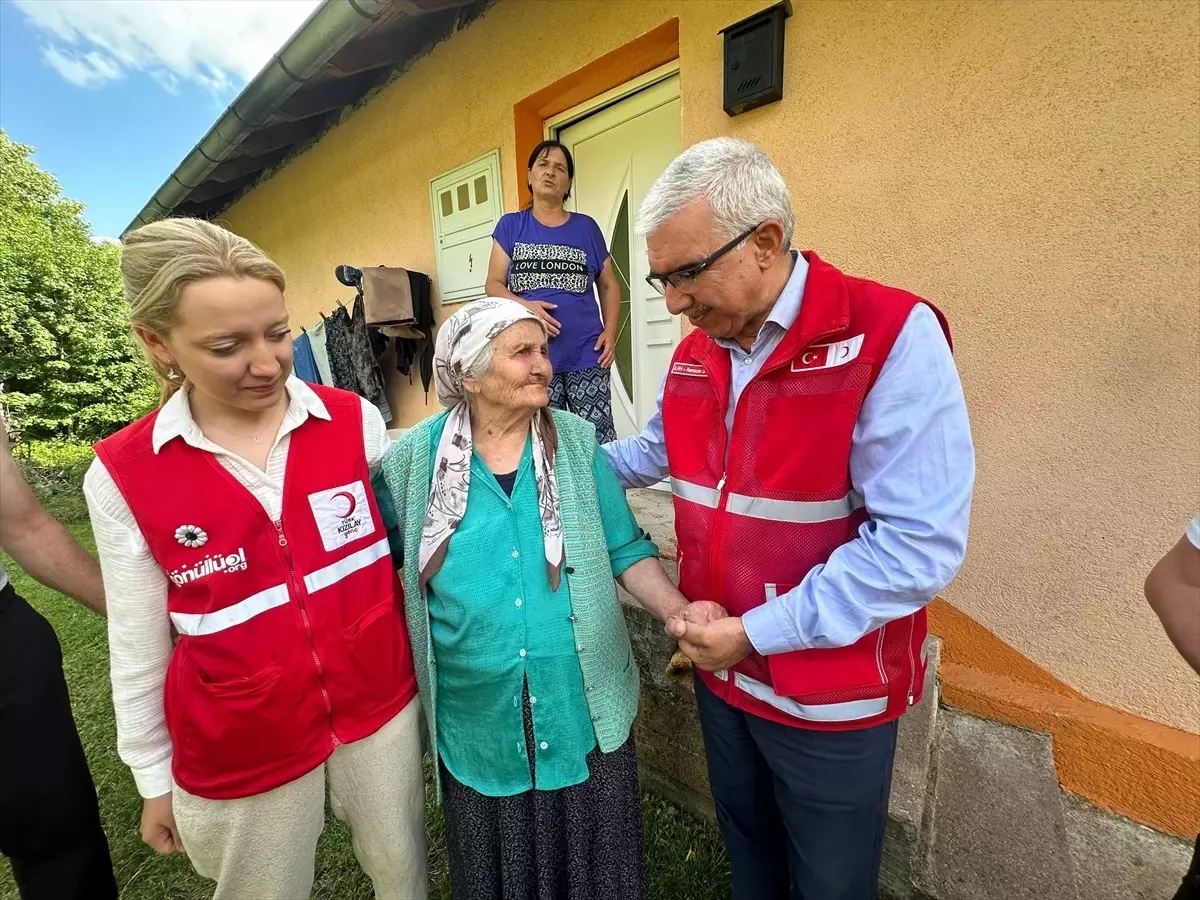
409, 350
394, 306
337, 345
352, 359
363, 342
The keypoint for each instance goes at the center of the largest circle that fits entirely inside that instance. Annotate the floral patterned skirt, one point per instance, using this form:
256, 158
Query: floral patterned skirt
582, 842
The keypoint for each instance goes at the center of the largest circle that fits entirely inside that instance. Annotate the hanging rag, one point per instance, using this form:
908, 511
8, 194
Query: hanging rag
409, 350
320, 354
365, 360
337, 345
304, 363
387, 296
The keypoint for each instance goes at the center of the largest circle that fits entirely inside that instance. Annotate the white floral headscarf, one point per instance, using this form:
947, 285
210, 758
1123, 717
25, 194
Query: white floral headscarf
461, 339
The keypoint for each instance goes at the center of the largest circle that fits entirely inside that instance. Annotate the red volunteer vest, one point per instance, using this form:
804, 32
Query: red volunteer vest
750, 528
291, 633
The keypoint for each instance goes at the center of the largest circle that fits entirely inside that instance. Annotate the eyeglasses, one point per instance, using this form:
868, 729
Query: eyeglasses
684, 278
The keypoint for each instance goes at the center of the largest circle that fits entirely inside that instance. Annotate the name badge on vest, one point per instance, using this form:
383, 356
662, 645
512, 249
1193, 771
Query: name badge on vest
342, 514
827, 356
689, 369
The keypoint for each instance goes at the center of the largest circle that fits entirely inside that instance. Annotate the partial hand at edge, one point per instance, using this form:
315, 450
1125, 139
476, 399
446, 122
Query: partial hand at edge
158, 825
607, 345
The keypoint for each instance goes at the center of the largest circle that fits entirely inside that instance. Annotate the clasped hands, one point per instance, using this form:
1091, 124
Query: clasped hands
710, 637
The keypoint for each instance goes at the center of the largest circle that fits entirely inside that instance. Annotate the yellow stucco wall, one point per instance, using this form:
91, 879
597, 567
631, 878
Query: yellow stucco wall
1033, 168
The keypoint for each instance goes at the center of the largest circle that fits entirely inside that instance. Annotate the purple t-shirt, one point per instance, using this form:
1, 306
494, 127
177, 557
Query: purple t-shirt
558, 265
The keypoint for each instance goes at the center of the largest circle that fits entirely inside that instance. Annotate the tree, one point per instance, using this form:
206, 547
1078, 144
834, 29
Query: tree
68, 363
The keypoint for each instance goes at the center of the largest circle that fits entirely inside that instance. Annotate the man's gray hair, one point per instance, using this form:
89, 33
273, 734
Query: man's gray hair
740, 183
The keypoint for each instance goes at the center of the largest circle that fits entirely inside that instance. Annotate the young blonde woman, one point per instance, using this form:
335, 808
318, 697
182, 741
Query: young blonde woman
239, 516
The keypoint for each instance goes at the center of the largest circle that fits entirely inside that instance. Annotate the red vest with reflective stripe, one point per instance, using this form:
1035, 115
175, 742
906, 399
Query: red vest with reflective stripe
291, 633
758, 509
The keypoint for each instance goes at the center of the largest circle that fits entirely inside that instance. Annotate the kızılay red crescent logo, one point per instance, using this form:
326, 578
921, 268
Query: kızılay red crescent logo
349, 499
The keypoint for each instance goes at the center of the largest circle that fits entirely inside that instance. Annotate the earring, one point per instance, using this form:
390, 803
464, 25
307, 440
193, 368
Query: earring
172, 374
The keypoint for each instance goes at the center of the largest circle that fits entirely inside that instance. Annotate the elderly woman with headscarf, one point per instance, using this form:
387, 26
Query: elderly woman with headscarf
513, 528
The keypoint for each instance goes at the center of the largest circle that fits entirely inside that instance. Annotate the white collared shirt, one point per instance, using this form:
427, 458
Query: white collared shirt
135, 586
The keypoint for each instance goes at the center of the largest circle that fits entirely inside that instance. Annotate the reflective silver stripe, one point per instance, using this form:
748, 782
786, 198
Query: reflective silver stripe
360, 559
193, 624
685, 490
850, 711
794, 510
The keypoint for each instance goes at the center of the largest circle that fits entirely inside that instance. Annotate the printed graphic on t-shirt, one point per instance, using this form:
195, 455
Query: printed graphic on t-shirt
342, 514
555, 266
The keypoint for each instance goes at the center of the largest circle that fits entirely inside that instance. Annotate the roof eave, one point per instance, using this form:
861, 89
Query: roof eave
330, 27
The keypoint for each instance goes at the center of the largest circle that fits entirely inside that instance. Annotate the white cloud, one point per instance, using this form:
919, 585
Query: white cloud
219, 44
85, 70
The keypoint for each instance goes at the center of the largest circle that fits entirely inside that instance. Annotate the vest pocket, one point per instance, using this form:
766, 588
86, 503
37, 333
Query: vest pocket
833, 670
804, 444
238, 721
806, 673
377, 660
694, 419
243, 687
371, 615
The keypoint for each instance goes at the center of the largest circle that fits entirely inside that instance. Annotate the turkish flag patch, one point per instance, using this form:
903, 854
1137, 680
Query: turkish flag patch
828, 356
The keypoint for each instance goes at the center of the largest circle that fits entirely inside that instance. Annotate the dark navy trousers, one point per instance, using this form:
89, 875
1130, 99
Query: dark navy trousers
49, 817
802, 812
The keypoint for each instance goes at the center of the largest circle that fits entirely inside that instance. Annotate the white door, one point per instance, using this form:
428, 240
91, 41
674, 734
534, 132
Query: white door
619, 151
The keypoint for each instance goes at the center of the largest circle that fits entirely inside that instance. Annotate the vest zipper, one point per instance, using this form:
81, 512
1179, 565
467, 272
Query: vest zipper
715, 556
295, 585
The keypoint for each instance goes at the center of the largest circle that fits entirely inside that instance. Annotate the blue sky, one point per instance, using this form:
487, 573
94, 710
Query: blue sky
114, 93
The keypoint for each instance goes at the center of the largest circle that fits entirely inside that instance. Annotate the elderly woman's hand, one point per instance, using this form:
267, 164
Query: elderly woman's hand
701, 612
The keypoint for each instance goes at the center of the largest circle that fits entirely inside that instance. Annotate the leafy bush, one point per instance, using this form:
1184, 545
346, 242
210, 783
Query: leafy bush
69, 367
57, 454
55, 470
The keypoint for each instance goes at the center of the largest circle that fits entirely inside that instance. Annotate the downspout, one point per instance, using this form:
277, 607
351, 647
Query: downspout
330, 27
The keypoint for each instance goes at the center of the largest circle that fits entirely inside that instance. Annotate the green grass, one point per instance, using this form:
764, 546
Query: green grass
684, 857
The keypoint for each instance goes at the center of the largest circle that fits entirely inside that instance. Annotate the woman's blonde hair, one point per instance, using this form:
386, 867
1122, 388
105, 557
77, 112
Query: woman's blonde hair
160, 259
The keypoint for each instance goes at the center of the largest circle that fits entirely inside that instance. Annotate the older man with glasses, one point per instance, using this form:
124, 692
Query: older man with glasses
815, 432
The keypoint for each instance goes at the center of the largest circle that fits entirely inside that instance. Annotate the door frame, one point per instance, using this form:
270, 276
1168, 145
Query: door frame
568, 117
558, 124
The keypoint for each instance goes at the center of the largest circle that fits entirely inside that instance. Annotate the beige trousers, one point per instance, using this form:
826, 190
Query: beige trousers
264, 847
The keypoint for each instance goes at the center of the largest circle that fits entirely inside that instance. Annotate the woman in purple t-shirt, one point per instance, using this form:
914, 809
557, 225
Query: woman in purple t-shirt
548, 259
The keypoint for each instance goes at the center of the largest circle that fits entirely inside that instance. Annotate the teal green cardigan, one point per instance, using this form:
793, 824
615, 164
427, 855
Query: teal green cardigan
612, 692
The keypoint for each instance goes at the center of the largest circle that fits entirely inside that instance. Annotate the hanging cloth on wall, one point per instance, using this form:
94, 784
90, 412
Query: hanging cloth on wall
304, 364
397, 304
337, 345
366, 360
352, 358
387, 296
317, 341
410, 350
